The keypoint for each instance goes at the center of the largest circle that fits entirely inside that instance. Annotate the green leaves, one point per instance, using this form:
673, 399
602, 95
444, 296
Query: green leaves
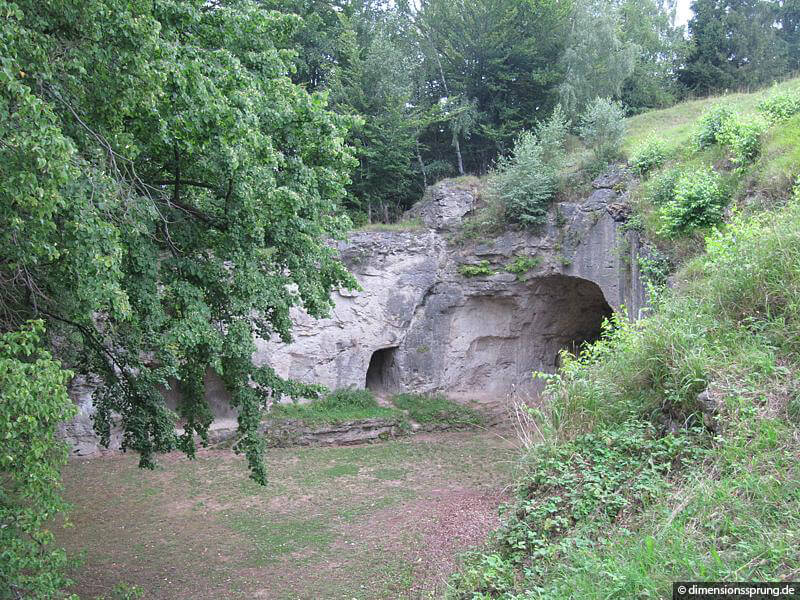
526, 182
33, 402
571, 493
167, 196
698, 201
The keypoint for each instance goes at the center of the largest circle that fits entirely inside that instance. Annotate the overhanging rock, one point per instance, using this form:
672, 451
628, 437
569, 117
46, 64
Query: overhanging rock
420, 325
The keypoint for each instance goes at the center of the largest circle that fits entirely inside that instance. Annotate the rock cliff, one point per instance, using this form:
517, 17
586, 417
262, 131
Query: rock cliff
423, 321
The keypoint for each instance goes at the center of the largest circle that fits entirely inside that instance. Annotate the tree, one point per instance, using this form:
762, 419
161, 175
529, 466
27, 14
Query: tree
33, 401
648, 24
788, 17
734, 44
167, 191
497, 56
374, 82
597, 60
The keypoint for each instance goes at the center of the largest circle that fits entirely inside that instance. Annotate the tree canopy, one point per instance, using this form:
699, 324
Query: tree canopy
738, 43
167, 191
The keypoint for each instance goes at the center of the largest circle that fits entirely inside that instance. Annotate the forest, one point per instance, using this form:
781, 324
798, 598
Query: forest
174, 171
443, 88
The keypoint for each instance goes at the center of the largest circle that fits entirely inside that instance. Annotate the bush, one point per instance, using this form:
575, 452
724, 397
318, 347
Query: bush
743, 139
521, 265
482, 269
661, 188
741, 135
527, 181
33, 402
649, 156
710, 125
698, 201
780, 107
602, 129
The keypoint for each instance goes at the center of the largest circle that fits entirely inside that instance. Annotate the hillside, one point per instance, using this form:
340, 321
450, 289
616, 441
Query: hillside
668, 451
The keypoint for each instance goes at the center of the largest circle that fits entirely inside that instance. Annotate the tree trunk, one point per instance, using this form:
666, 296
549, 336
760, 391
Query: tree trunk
422, 168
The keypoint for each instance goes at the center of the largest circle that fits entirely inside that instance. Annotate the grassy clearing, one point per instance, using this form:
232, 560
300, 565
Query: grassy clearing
675, 125
436, 410
361, 522
337, 407
756, 183
356, 405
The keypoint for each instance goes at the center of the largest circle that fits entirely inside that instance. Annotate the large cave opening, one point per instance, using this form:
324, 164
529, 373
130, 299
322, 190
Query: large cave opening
498, 340
382, 376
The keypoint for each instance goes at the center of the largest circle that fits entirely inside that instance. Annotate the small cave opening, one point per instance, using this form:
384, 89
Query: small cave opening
382, 371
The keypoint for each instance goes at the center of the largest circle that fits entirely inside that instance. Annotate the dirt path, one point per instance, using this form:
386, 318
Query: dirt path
366, 522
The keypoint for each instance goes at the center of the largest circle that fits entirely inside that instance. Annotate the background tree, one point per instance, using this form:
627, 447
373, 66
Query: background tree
497, 56
788, 17
734, 44
597, 60
649, 25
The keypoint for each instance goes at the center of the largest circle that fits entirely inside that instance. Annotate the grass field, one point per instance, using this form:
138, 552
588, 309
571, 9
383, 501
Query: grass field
366, 522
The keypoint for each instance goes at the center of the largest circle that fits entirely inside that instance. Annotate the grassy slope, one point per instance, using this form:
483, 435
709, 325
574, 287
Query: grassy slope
730, 508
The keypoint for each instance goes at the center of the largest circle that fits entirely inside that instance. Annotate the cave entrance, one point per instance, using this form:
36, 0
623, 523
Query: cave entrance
382, 371
497, 340
579, 316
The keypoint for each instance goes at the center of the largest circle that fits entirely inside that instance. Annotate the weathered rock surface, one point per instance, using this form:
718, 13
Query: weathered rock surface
446, 204
297, 433
418, 325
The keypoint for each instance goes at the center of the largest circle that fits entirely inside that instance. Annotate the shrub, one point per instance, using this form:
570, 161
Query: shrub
661, 188
602, 128
526, 181
522, 264
741, 135
698, 201
648, 156
780, 107
482, 269
743, 139
655, 269
33, 402
710, 125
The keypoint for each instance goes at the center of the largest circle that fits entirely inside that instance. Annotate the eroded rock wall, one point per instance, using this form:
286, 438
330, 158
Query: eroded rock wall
426, 327
418, 324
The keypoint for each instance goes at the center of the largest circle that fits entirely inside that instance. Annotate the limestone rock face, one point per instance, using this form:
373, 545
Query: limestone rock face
418, 324
445, 204
79, 432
